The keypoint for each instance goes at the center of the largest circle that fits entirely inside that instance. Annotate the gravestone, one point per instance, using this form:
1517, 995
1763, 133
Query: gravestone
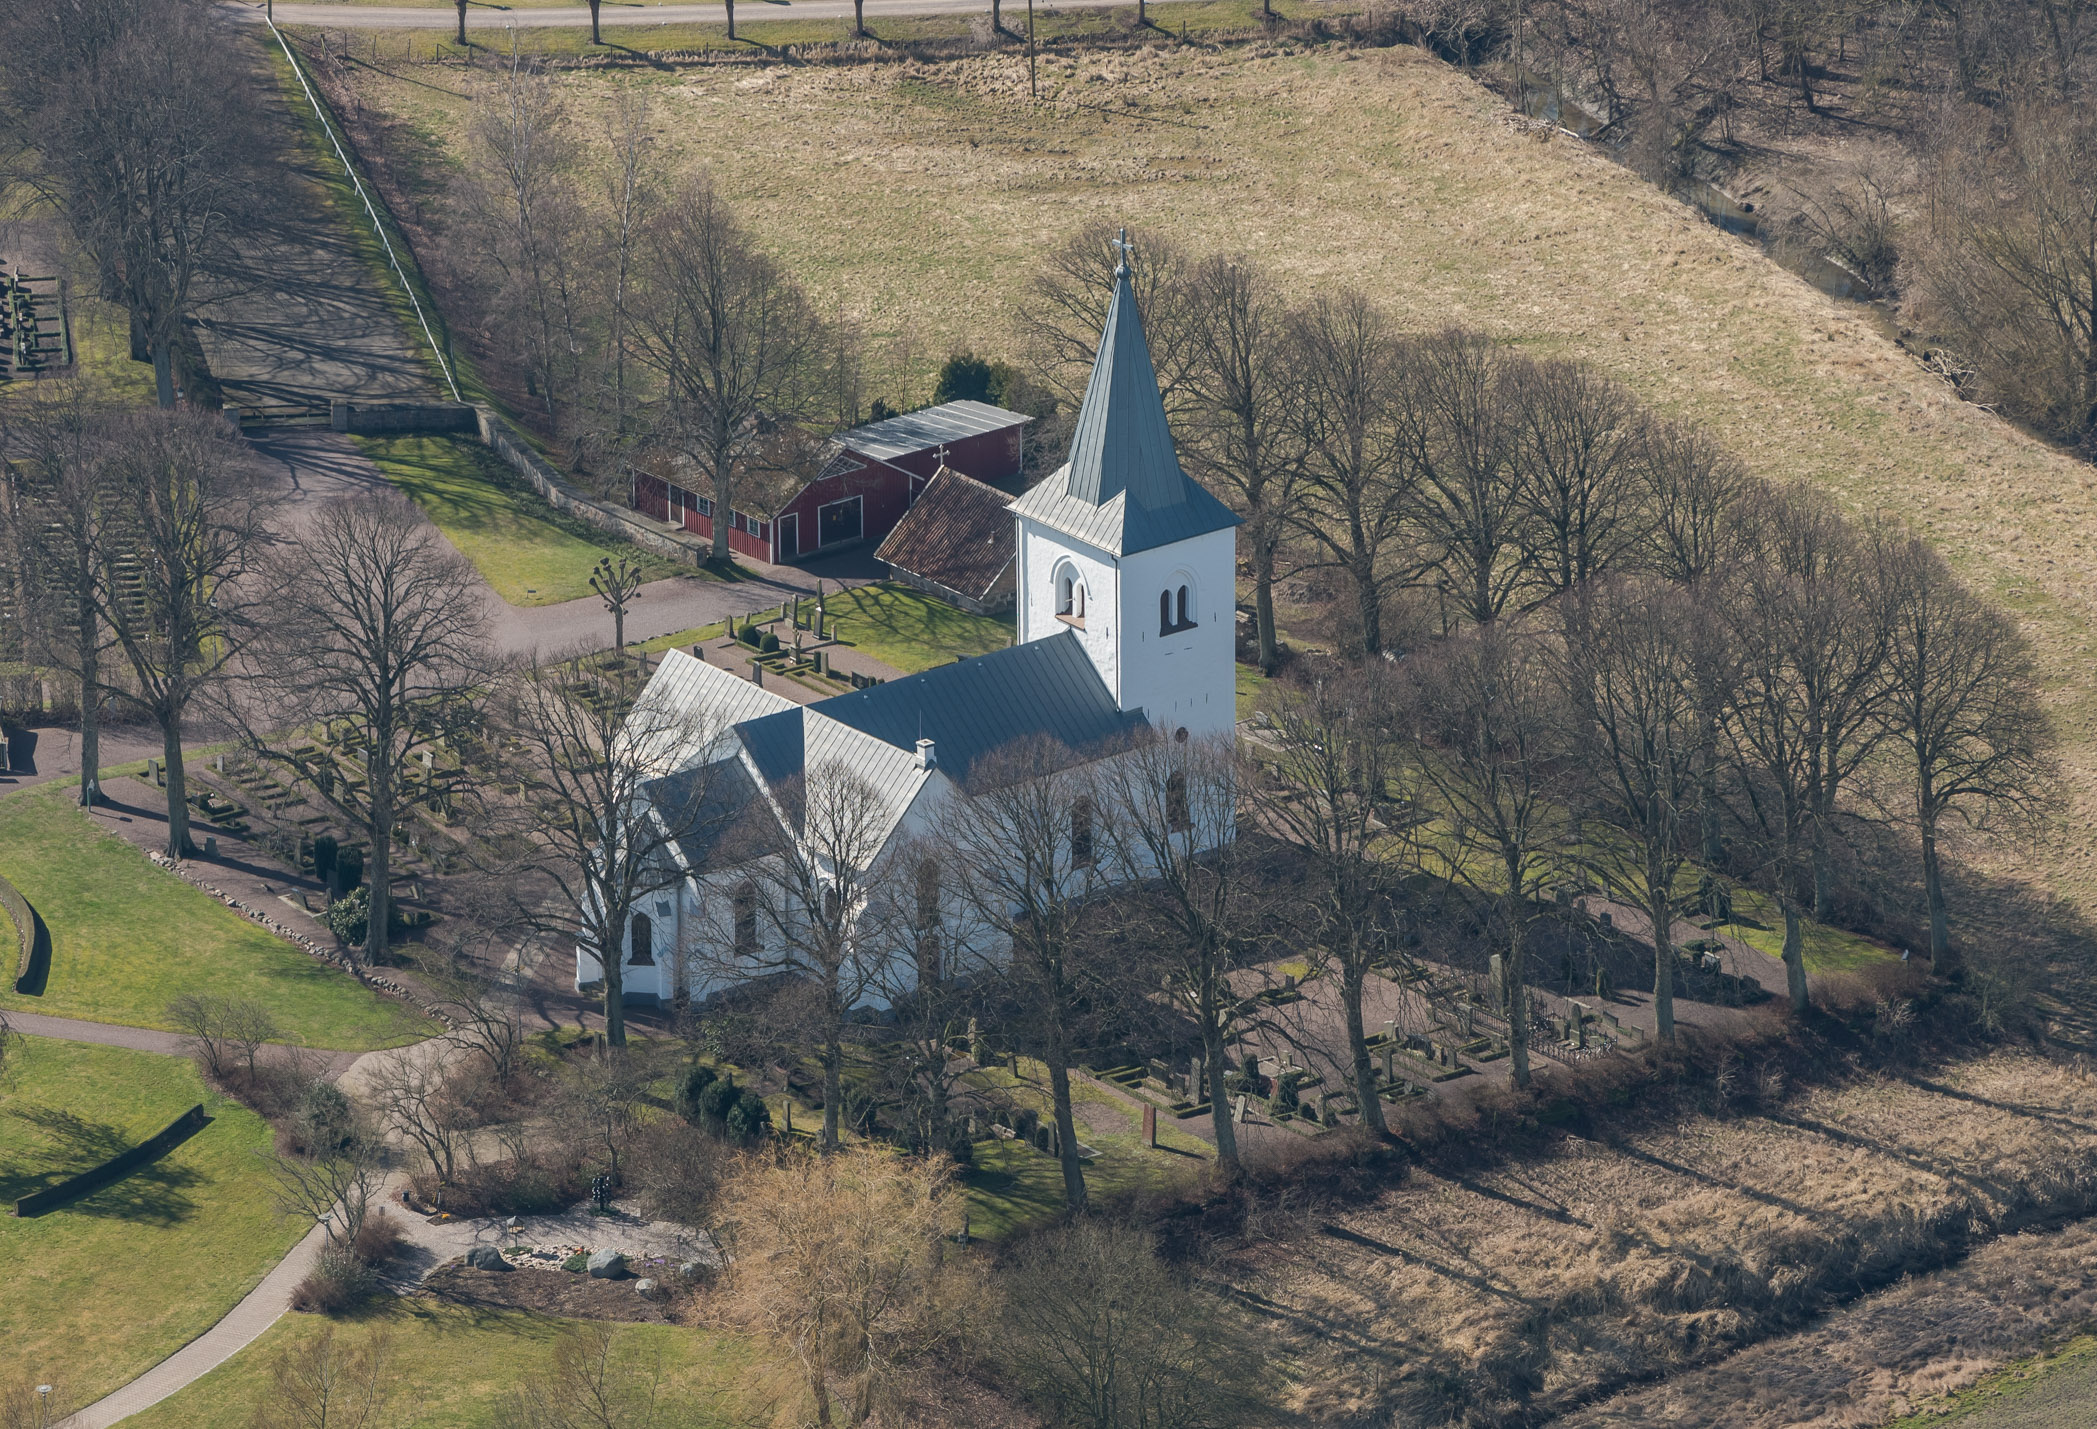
1497, 979
1150, 1127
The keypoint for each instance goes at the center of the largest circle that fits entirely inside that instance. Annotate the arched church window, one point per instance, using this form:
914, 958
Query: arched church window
1070, 597
1185, 623
744, 911
1164, 612
642, 938
1081, 854
1177, 814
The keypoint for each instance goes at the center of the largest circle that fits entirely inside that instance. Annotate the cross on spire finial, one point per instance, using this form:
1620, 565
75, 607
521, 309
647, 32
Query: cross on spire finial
1127, 251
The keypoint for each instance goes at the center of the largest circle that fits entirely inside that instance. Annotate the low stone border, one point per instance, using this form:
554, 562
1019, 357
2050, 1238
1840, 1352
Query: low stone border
116, 1167
330, 956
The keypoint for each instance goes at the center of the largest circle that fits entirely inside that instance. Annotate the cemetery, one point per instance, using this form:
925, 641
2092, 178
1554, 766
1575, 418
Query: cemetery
36, 335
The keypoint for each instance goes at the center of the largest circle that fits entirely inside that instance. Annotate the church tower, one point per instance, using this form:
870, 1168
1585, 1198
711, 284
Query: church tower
1127, 551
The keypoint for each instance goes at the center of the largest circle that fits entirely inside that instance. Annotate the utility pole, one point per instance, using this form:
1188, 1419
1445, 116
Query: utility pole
1033, 89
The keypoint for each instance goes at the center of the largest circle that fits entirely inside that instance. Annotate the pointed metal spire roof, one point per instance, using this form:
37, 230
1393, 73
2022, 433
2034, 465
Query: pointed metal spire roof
1122, 462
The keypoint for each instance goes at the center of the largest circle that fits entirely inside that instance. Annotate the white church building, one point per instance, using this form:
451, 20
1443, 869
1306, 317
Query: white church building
1126, 608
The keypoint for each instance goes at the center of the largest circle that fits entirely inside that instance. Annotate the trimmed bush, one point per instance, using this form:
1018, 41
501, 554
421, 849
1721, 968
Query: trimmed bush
769, 643
691, 1089
749, 1119
716, 1102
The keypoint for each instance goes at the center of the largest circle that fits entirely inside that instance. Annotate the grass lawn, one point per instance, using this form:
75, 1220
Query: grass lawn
1250, 683
910, 630
99, 1291
2050, 1391
1012, 1186
456, 1368
127, 937
1828, 949
530, 553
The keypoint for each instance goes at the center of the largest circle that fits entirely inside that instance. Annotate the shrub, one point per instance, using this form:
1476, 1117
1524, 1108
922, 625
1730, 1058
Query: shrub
769, 642
691, 1089
348, 917
1024, 1120
349, 868
324, 849
716, 1102
338, 1282
748, 1119
576, 1263
323, 1120
378, 1239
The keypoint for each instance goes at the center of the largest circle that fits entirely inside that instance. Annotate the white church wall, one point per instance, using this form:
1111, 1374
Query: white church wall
1044, 553
1185, 678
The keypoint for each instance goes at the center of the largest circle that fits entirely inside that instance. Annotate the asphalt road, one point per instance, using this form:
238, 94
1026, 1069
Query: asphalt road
489, 17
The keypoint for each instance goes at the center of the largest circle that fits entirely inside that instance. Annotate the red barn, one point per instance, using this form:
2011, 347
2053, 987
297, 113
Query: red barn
874, 474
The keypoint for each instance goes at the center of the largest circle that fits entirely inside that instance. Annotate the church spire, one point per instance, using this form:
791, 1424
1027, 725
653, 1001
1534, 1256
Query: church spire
1122, 442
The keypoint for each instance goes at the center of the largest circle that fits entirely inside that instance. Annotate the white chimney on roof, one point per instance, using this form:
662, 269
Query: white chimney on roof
924, 753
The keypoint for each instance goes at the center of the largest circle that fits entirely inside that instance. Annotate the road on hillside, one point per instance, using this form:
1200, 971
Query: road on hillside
626, 16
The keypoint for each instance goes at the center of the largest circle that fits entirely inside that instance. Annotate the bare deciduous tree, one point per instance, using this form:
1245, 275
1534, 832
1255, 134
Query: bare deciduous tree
1488, 728
1106, 1336
1964, 707
1168, 812
1065, 309
325, 1381
1581, 446
55, 514
1029, 878
2011, 264
733, 340
146, 125
1357, 480
1243, 429
375, 623
413, 1092
332, 1189
812, 889
588, 786
1463, 453
838, 1260
1639, 687
172, 584
1331, 785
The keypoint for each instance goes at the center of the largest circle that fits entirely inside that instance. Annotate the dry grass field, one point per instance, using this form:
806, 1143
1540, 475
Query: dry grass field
1525, 1292
918, 197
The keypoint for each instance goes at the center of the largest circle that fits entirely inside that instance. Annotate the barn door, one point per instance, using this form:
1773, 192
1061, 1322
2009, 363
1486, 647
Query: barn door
789, 529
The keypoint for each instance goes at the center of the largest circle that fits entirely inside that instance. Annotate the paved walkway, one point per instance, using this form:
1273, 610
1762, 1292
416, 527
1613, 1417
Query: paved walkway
241, 1327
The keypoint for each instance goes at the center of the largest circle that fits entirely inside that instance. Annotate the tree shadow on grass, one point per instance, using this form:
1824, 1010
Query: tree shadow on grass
153, 1194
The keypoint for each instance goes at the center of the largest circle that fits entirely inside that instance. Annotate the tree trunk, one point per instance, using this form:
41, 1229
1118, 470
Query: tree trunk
1263, 603
1368, 610
596, 36
1794, 953
163, 375
90, 712
1941, 957
1513, 977
997, 17
378, 770
1661, 909
833, 1090
611, 950
462, 24
731, 19
177, 793
858, 18
1066, 1129
1823, 874
1358, 1050
723, 486
1219, 1100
